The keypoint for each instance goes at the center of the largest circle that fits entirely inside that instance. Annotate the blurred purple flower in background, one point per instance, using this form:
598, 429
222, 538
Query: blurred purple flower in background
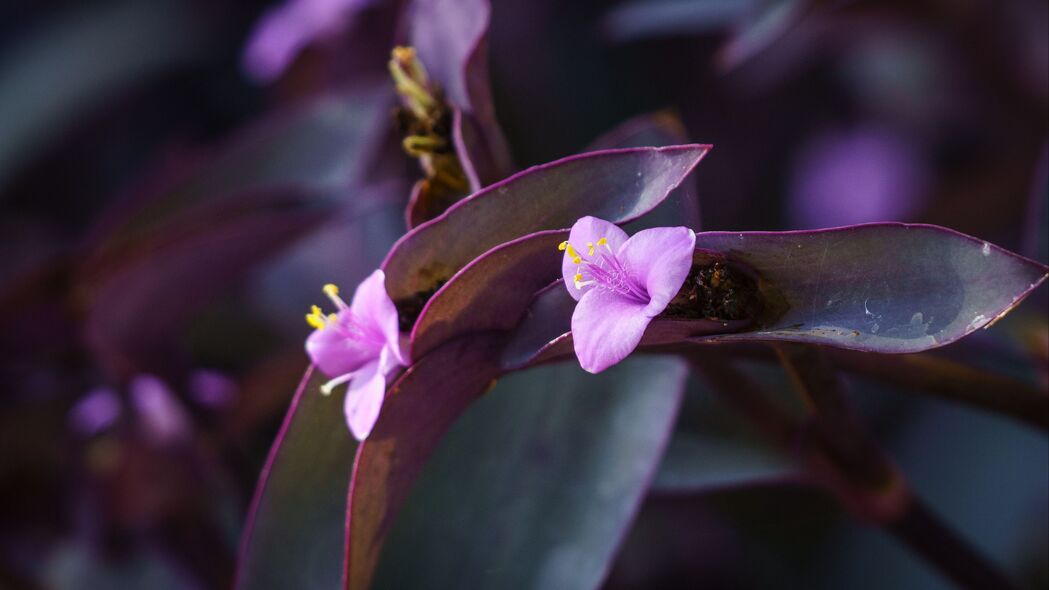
284, 31
620, 283
163, 418
95, 412
856, 177
358, 344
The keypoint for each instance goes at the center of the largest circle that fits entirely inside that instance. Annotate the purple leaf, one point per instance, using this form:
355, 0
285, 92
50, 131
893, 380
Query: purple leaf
550, 454
617, 185
884, 287
316, 146
294, 532
646, 19
177, 269
451, 37
887, 287
490, 293
175, 245
419, 408
544, 331
94, 54
283, 32
767, 25
656, 129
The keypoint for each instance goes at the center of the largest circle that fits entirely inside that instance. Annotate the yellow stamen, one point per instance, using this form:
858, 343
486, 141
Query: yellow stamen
317, 318
333, 293
563, 245
590, 248
578, 277
602, 242
315, 321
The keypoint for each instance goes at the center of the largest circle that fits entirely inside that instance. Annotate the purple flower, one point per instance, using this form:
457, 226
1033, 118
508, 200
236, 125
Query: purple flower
845, 178
284, 31
95, 412
163, 419
358, 344
620, 283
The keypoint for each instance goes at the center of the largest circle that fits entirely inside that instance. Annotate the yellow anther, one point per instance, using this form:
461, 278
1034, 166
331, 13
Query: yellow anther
590, 248
577, 260
315, 321
562, 245
602, 242
578, 277
331, 290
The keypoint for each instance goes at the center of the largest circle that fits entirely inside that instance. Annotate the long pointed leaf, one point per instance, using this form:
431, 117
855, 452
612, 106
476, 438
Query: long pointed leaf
880, 287
538, 482
491, 292
618, 185
294, 533
419, 408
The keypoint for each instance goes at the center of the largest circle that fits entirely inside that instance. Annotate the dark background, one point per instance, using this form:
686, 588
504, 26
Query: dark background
846, 112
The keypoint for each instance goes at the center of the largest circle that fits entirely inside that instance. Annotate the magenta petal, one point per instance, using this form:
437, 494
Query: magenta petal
364, 399
588, 230
606, 328
372, 305
335, 354
659, 258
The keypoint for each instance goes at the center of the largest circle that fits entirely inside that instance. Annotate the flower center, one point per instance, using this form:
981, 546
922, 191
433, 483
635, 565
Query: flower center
346, 324
600, 267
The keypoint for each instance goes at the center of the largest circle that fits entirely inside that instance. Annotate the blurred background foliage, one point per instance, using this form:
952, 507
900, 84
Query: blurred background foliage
165, 218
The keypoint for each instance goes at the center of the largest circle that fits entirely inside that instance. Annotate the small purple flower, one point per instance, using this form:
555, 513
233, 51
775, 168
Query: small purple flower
95, 412
845, 178
163, 418
358, 344
620, 283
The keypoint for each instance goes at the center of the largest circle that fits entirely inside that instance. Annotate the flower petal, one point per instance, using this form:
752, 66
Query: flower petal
335, 353
606, 328
373, 307
588, 230
364, 400
659, 258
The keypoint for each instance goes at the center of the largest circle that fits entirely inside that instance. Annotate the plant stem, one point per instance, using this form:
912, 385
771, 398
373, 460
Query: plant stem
846, 461
952, 381
927, 535
931, 374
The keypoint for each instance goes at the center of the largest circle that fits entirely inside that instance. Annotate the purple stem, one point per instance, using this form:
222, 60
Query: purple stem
928, 373
921, 530
869, 475
845, 460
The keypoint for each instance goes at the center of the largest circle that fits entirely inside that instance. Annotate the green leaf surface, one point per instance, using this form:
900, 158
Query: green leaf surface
294, 534
538, 482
